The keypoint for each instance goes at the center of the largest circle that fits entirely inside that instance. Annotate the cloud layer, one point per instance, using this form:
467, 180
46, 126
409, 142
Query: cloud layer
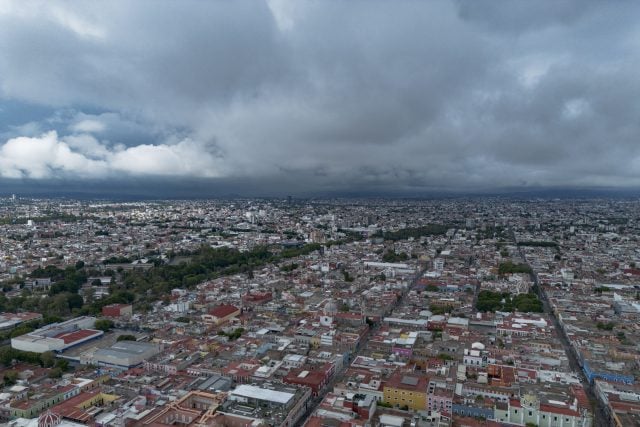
83, 156
333, 94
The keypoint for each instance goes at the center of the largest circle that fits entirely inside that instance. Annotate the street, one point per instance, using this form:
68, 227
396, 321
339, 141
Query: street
315, 402
600, 417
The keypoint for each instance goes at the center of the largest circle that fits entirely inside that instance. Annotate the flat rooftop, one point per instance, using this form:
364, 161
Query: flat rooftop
126, 348
259, 393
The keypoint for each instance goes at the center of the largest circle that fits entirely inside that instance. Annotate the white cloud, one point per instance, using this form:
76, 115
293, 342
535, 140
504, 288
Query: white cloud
87, 145
44, 157
187, 158
82, 156
89, 126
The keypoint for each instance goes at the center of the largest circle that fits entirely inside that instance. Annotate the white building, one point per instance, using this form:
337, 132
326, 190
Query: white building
552, 414
58, 336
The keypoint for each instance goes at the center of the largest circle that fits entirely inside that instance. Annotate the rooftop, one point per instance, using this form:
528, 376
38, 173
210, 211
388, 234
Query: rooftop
259, 393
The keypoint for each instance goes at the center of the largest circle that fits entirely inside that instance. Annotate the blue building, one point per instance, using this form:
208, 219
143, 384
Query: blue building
472, 411
607, 376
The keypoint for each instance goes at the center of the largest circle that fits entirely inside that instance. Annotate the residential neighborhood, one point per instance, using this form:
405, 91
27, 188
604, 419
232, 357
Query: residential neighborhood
320, 313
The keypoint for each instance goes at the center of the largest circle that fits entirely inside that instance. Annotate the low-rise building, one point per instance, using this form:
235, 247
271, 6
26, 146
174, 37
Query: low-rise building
406, 390
221, 314
117, 310
124, 354
58, 336
280, 405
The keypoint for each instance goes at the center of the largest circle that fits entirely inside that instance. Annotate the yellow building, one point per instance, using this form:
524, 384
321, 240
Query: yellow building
409, 390
45, 399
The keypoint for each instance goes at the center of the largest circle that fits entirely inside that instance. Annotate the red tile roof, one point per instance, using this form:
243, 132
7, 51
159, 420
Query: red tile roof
579, 393
71, 409
558, 410
408, 381
223, 310
515, 402
71, 337
25, 316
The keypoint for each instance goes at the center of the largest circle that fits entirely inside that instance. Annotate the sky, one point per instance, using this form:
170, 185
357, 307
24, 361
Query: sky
303, 97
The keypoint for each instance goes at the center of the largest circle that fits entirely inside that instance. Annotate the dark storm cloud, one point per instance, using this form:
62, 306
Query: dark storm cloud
519, 16
312, 95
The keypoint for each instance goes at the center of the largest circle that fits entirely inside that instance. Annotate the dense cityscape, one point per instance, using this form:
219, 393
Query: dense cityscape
337, 312
319, 213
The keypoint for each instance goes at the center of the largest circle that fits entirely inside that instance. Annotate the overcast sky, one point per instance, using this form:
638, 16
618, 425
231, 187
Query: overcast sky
303, 96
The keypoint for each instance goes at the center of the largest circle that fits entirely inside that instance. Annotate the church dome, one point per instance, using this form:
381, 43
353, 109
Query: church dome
330, 308
49, 419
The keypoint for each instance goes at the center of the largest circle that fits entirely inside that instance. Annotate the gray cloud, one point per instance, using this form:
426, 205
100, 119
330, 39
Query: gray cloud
322, 95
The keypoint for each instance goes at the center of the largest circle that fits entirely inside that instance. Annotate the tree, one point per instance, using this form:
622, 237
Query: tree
126, 338
391, 256
6, 355
103, 324
75, 301
237, 333
346, 276
55, 373
89, 295
605, 326
416, 232
59, 305
48, 359
10, 377
440, 309
509, 268
62, 364
20, 330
